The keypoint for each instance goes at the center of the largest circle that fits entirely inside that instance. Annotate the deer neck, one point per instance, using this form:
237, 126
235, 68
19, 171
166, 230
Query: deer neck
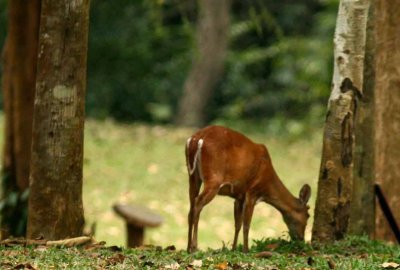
281, 198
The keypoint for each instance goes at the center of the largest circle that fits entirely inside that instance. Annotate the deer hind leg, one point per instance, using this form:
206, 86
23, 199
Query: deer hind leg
247, 215
238, 214
194, 189
208, 193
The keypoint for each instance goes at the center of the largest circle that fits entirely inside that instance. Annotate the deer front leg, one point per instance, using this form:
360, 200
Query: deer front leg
247, 215
238, 213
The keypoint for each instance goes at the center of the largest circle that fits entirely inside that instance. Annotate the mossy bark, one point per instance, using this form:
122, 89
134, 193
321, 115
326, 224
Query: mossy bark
55, 202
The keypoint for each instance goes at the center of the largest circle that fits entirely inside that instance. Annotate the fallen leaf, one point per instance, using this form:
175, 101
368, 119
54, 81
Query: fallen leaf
222, 266
197, 263
172, 266
148, 263
41, 248
94, 246
264, 254
114, 248
331, 263
390, 265
24, 266
363, 256
11, 253
170, 248
116, 259
272, 246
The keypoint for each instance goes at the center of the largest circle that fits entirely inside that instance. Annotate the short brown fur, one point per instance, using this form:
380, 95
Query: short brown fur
230, 164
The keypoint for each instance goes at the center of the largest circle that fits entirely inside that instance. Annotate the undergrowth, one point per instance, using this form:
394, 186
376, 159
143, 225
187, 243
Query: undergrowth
351, 253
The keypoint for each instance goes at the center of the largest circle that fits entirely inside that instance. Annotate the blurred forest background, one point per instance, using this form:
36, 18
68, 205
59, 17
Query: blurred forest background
278, 63
274, 88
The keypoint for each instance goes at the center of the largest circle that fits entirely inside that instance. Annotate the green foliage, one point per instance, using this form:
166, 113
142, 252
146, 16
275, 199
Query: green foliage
279, 61
278, 64
286, 70
135, 64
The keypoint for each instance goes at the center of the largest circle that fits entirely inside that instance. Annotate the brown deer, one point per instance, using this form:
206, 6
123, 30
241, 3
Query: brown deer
230, 164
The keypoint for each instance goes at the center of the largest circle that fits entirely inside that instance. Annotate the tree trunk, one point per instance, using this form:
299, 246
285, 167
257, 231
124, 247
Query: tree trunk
208, 62
19, 77
362, 218
387, 148
335, 179
55, 201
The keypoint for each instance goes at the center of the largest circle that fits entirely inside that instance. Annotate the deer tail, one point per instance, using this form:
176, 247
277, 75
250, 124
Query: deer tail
197, 156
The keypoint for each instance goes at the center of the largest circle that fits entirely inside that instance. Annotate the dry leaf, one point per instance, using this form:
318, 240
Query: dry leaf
172, 266
197, 263
222, 266
331, 264
390, 265
264, 254
272, 246
116, 259
24, 266
41, 248
170, 248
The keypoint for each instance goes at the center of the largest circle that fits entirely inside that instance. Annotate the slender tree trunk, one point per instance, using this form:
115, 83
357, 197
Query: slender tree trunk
362, 218
19, 77
208, 62
335, 179
55, 201
387, 148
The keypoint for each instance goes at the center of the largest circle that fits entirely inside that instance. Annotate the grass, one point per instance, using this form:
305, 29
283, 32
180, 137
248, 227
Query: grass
351, 253
135, 163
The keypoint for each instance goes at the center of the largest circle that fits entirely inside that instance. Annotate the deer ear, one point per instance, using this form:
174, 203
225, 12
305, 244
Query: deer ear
305, 193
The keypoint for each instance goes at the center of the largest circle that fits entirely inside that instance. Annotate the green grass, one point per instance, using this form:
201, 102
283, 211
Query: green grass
351, 253
136, 163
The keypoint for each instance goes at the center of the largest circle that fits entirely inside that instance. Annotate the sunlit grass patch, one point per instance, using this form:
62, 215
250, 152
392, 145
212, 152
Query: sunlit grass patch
135, 163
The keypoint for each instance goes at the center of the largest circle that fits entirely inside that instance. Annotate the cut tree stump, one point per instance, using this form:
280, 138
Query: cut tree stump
137, 218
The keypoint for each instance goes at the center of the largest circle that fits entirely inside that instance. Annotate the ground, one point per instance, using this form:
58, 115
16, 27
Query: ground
352, 253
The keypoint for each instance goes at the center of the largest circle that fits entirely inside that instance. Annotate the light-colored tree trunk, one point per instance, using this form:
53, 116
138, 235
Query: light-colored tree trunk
55, 201
19, 77
208, 63
335, 179
387, 147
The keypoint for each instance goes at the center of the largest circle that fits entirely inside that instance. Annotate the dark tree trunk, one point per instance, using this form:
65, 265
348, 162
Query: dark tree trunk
387, 95
55, 201
19, 77
208, 62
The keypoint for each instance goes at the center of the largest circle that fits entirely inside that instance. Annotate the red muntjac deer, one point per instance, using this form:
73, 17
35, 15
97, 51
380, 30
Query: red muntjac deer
228, 163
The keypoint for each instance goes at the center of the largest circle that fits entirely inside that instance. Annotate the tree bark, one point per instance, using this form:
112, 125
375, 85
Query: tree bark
335, 178
19, 77
208, 62
362, 218
387, 147
55, 201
